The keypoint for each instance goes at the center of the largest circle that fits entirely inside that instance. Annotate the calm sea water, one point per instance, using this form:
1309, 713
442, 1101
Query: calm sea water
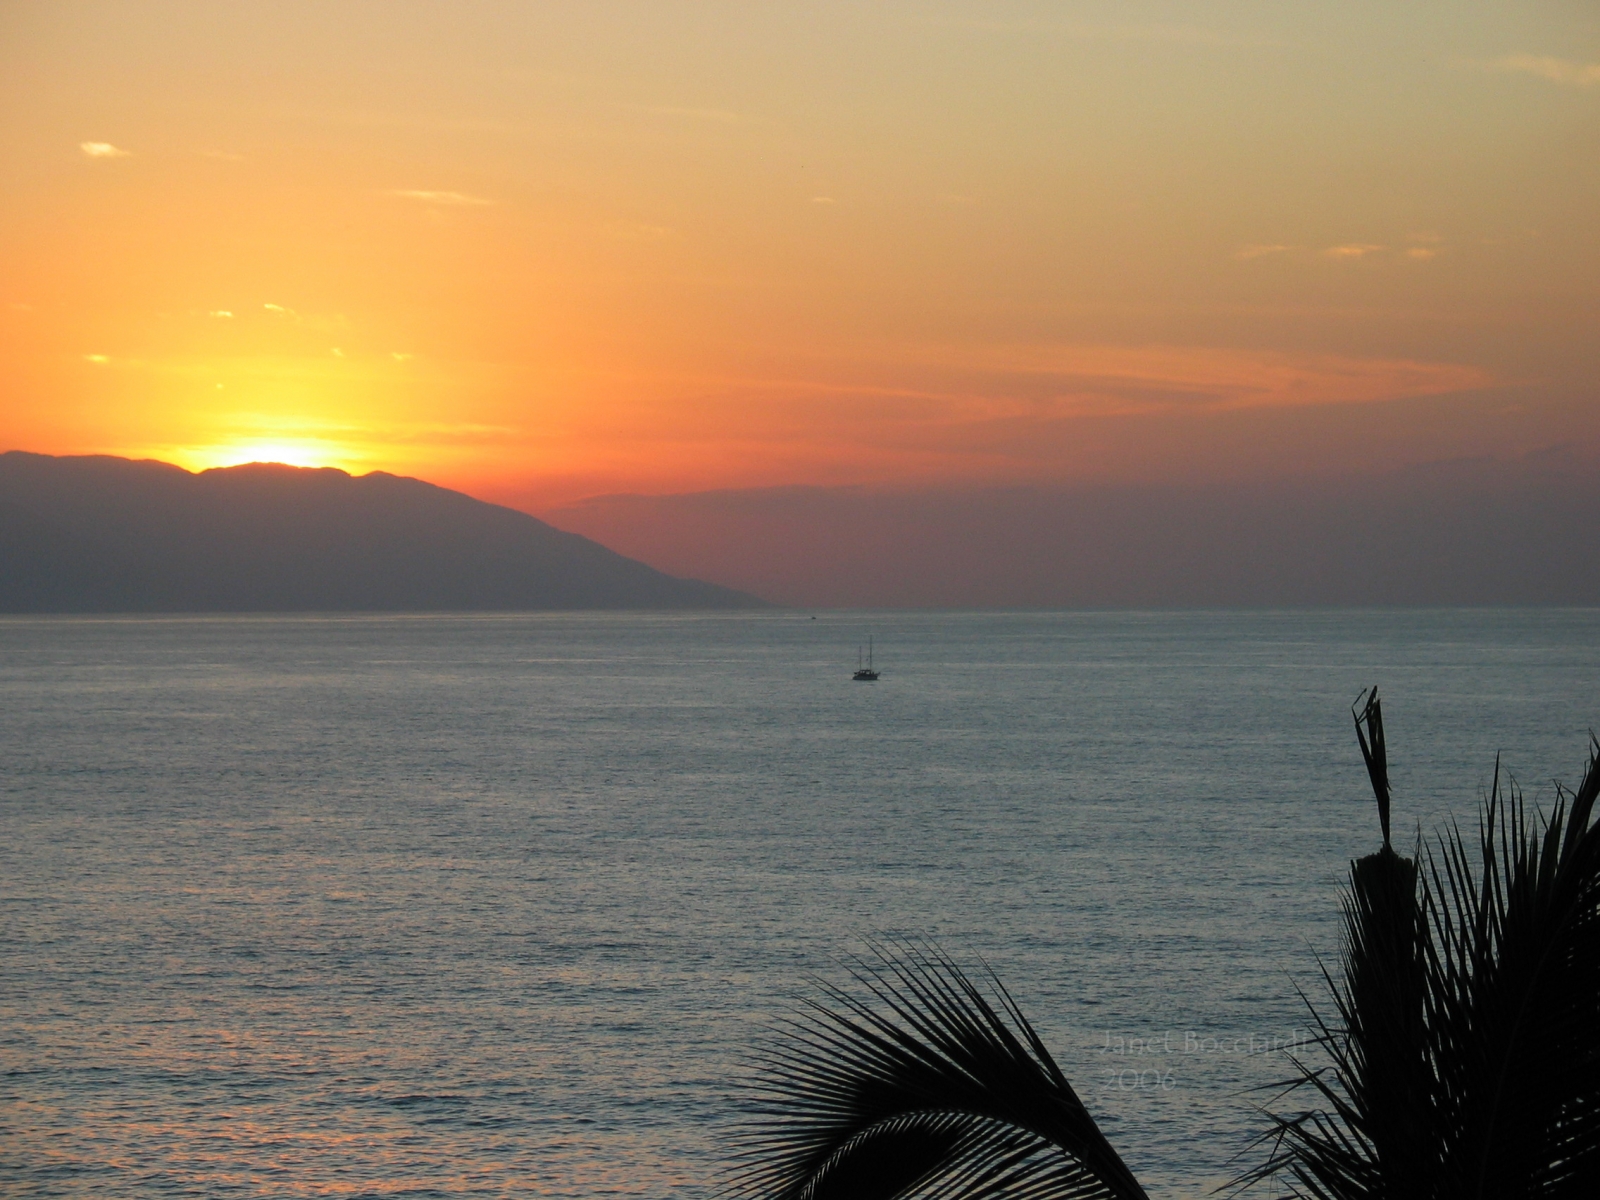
461, 906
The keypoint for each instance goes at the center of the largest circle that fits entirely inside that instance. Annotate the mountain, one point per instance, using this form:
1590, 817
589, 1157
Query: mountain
1518, 529
102, 534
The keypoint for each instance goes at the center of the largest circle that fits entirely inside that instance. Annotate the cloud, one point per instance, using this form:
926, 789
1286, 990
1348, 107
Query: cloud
1261, 251
220, 312
1185, 35
1421, 253
1180, 34
1353, 250
1019, 400
640, 232
718, 116
1556, 70
1107, 380
103, 150
333, 324
449, 199
97, 359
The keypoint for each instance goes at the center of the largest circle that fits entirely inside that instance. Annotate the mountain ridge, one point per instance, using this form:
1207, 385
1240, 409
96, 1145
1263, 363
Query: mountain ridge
1513, 529
98, 533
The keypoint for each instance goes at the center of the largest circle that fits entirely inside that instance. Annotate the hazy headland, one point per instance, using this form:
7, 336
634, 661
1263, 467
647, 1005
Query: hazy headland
104, 534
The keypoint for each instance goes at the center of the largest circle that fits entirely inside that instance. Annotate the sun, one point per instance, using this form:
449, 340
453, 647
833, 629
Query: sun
292, 452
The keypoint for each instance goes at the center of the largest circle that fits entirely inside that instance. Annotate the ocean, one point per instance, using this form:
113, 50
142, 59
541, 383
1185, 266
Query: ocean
443, 906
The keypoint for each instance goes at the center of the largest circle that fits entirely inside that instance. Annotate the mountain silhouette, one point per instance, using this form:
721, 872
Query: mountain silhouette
104, 534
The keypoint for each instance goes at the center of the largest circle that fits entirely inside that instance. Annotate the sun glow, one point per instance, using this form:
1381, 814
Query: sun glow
660, 264
292, 452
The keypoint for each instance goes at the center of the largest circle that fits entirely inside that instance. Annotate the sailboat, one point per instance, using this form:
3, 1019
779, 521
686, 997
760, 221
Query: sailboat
864, 674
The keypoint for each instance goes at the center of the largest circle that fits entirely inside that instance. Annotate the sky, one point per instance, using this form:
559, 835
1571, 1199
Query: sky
552, 252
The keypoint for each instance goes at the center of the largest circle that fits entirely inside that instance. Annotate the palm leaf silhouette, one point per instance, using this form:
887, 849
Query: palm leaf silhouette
926, 1087
1464, 1059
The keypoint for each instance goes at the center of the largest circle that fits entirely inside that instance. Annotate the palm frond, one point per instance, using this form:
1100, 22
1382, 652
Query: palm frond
1374, 751
1514, 1000
1466, 1061
925, 1086
1464, 1056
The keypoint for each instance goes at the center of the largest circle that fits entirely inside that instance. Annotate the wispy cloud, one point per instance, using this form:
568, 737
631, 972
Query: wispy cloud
1261, 251
1115, 379
97, 359
1186, 35
963, 389
1421, 253
823, 200
103, 150
1353, 250
638, 231
716, 116
364, 118
326, 322
1556, 70
220, 312
449, 199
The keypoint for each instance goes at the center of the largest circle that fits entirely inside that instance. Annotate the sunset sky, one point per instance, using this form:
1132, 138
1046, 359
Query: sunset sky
547, 251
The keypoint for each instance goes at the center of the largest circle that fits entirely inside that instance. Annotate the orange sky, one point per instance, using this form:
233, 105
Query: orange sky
541, 251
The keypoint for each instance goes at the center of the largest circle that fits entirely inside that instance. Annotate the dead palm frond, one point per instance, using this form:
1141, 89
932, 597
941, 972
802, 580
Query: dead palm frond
1374, 752
925, 1087
1367, 1140
1466, 1058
